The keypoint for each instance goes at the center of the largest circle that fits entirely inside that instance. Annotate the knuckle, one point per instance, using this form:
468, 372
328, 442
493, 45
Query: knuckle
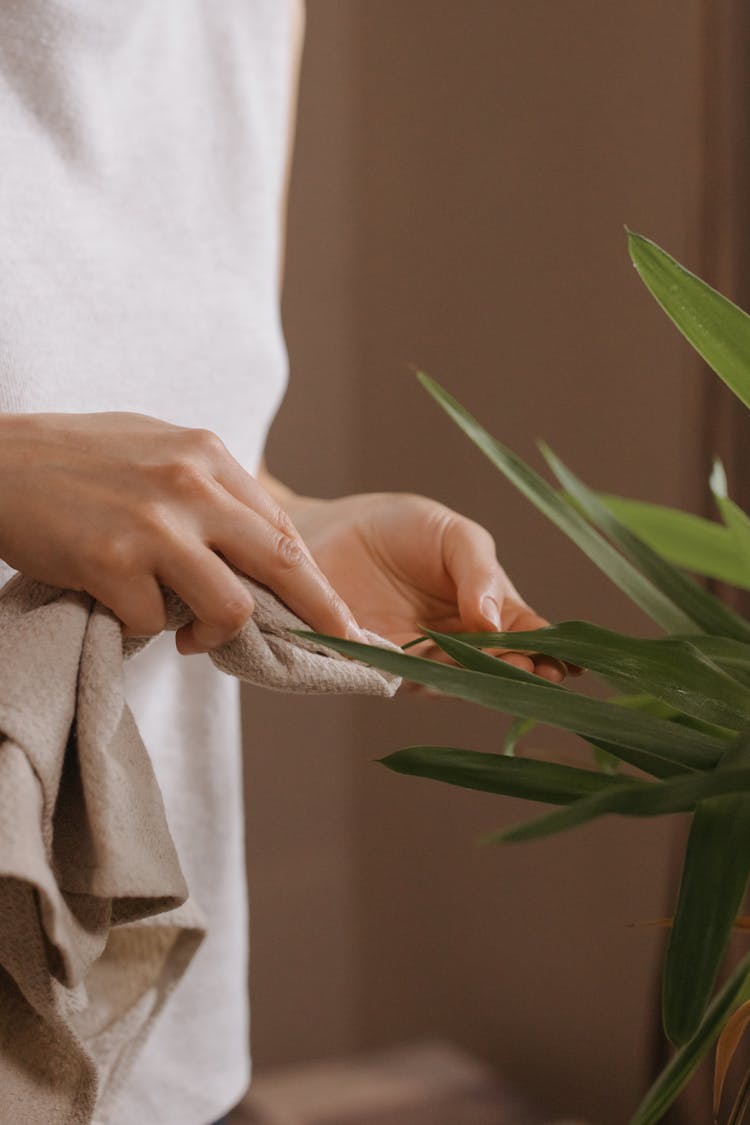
287, 552
206, 443
185, 477
284, 523
442, 519
149, 518
469, 531
115, 555
232, 615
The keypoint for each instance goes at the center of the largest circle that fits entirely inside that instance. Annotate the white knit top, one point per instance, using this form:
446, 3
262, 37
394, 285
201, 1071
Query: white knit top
142, 147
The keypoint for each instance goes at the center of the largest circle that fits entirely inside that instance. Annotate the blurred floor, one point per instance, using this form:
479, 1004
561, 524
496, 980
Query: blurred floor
418, 1084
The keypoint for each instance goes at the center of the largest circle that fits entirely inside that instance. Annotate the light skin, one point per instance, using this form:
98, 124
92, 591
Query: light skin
116, 503
403, 562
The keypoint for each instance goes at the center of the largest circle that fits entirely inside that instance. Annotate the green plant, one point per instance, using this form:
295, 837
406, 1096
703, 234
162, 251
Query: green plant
682, 715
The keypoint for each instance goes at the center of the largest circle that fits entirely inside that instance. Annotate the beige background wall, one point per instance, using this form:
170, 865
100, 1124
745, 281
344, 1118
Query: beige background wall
462, 177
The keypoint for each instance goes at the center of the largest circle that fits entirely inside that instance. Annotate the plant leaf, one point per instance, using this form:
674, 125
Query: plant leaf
637, 587
650, 706
624, 796
718, 330
688, 541
652, 743
729, 1041
725, 651
606, 761
606, 752
671, 669
713, 885
708, 613
528, 778
517, 729
736, 521
683, 1063
741, 1105
741, 923
636, 798
467, 656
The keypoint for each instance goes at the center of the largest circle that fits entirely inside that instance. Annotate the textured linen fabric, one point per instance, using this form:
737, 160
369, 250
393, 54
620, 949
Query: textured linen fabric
142, 147
96, 926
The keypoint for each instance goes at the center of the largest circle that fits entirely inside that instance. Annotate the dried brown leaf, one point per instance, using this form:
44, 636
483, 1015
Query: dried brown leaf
726, 1047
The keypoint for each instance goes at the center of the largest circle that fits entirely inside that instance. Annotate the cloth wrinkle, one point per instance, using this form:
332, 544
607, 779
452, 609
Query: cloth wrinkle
97, 925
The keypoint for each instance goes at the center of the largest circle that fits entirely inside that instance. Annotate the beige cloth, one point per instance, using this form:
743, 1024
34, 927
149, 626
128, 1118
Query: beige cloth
87, 864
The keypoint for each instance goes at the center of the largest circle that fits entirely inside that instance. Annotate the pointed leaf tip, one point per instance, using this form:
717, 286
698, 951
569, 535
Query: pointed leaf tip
717, 328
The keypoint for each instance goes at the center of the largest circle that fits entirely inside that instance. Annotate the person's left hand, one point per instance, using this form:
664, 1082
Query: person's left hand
402, 561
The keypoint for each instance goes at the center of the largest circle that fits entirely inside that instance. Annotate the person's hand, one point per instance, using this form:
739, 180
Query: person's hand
114, 503
403, 561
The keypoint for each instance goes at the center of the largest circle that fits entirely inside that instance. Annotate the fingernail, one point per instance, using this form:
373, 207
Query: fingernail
207, 639
491, 612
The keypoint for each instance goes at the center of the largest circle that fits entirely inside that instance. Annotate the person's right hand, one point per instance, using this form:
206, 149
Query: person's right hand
114, 503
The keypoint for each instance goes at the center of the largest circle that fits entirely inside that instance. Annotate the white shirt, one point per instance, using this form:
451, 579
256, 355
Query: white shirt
142, 151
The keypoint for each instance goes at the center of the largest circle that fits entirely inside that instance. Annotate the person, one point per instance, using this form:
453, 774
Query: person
144, 154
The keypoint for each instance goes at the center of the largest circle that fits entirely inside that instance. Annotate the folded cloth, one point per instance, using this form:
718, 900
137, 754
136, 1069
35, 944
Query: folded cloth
96, 922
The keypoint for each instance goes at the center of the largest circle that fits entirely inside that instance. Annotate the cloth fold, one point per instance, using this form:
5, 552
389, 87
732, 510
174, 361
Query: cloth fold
97, 925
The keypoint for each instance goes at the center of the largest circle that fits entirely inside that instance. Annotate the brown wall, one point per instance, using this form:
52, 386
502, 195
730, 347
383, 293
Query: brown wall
462, 177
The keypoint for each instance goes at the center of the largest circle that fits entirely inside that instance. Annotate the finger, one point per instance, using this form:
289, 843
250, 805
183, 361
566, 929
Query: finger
487, 599
259, 549
549, 669
138, 603
218, 599
229, 473
470, 561
520, 618
546, 667
517, 660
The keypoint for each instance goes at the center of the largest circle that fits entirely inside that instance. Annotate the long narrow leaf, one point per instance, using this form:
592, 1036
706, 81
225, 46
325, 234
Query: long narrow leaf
528, 778
718, 330
708, 613
737, 522
678, 1071
713, 884
671, 669
724, 651
726, 1048
517, 729
688, 541
468, 657
635, 798
640, 589
652, 739
481, 662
